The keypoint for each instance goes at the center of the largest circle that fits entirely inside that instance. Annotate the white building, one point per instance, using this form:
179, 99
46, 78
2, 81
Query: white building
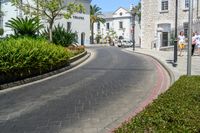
158, 21
119, 21
79, 23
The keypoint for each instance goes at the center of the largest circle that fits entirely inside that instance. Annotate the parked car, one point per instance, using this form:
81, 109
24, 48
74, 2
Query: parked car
125, 43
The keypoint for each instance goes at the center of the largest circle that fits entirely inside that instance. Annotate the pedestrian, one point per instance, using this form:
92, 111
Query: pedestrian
198, 42
181, 42
193, 42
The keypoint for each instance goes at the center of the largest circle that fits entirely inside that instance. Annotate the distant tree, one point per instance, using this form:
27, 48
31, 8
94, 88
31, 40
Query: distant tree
95, 16
111, 35
135, 11
49, 10
98, 37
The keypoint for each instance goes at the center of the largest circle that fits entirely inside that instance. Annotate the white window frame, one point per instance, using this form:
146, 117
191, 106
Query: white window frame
98, 26
121, 26
164, 5
187, 4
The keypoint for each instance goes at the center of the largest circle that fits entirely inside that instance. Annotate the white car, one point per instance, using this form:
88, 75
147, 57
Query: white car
125, 44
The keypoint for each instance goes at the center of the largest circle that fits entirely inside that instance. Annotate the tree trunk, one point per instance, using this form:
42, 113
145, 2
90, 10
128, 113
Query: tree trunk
92, 32
50, 31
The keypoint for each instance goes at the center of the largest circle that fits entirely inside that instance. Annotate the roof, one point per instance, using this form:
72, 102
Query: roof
108, 14
122, 8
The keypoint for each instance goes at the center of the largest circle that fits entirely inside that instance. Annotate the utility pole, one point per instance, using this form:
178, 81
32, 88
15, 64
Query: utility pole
175, 32
133, 26
189, 60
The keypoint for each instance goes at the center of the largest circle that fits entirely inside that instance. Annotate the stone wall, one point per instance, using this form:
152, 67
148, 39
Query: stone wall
152, 16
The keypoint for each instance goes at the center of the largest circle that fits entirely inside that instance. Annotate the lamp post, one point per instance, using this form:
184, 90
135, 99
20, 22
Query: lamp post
133, 13
189, 60
175, 36
123, 29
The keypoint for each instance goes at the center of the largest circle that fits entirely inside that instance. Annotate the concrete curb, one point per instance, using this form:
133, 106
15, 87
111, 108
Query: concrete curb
75, 61
141, 106
169, 71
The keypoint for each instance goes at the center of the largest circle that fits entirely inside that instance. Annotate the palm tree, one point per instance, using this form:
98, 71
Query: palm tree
24, 26
135, 11
95, 13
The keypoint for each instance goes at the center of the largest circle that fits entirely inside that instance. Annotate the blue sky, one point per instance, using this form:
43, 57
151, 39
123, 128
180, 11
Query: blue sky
112, 5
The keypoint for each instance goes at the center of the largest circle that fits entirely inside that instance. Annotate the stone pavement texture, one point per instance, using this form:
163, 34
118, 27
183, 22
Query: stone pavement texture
166, 57
88, 99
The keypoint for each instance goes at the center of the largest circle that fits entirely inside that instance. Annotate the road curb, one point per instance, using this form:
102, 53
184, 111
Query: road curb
169, 71
74, 61
155, 92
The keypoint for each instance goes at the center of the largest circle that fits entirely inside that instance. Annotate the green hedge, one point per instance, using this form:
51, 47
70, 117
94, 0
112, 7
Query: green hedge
24, 57
177, 110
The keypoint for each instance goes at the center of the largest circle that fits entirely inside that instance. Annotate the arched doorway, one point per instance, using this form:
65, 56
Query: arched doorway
82, 38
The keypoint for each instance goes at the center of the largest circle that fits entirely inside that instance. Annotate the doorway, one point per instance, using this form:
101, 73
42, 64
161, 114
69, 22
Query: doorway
82, 38
165, 39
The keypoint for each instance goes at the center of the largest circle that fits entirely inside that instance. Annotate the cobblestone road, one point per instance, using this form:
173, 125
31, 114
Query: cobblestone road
85, 100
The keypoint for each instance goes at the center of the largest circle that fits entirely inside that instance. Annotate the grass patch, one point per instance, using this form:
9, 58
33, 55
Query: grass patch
177, 110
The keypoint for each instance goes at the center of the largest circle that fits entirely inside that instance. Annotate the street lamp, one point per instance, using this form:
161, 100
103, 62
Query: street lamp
123, 29
175, 36
189, 60
133, 13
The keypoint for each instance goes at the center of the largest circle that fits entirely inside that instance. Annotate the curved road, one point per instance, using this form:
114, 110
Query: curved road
88, 99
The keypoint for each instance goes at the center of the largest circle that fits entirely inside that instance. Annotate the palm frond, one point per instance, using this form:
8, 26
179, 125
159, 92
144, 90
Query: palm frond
24, 26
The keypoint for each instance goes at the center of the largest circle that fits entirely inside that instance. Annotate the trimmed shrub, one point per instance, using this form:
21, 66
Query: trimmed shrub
76, 49
61, 36
22, 57
177, 110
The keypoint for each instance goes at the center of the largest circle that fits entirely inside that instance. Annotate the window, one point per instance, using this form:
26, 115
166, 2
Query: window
120, 25
98, 26
107, 26
185, 27
164, 5
120, 13
69, 26
187, 3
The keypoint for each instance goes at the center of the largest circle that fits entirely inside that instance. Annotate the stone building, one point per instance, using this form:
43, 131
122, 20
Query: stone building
119, 21
158, 21
75, 23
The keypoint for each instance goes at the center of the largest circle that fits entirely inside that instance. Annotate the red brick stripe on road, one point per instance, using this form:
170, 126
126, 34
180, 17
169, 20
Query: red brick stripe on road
160, 86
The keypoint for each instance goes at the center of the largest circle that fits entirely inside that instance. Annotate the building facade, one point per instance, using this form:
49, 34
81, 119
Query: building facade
75, 23
120, 22
158, 21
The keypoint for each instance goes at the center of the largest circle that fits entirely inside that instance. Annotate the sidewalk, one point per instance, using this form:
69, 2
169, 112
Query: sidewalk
166, 57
